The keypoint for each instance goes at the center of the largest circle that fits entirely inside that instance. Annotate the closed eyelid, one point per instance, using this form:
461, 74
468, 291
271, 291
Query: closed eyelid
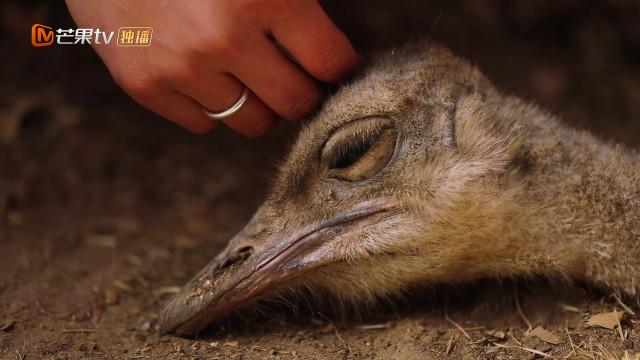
365, 131
354, 146
360, 149
371, 161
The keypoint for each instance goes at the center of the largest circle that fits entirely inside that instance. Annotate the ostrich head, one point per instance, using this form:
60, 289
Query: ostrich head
400, 179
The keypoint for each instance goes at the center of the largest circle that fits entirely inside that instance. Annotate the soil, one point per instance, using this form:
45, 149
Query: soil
105, 209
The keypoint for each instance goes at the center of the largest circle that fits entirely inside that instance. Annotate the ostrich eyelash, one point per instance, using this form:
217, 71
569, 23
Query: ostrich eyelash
352, 141
350, 150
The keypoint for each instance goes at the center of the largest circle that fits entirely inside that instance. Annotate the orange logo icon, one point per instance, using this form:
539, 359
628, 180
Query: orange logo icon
41, 35
134, 36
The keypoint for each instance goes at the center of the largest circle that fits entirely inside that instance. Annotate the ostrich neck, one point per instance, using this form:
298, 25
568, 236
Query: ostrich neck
589, 194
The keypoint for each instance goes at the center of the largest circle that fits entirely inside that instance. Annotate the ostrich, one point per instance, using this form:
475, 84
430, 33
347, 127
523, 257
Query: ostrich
418, 172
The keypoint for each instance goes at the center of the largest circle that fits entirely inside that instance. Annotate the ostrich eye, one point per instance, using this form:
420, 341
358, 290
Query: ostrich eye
360, 149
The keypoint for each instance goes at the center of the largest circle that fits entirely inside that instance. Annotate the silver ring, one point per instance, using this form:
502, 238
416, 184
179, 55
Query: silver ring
230, 111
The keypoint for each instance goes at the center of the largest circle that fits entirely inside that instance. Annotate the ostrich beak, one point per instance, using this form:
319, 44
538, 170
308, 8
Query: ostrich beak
234, 279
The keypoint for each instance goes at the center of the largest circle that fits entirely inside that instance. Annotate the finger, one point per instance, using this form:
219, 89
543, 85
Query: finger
178, 108
315, 42
275, 79
218, 92
253, 119
159, 97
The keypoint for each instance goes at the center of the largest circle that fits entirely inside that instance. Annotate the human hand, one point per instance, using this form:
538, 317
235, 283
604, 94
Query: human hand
203, 51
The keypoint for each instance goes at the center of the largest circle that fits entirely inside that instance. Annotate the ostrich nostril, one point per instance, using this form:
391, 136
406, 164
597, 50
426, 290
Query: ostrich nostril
237, 257
245, 252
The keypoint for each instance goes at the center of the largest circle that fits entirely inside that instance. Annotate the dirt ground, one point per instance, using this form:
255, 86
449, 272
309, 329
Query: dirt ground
105, 209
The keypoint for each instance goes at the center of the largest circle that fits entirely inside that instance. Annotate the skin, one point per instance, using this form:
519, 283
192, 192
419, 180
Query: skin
456, 182
203, 51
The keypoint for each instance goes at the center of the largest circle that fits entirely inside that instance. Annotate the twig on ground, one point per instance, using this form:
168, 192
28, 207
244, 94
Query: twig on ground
606, 354
573, 347
475, 328
623, 305
520, 312
457, 326
449, 345
619, 327
374, 327
335, 328
537, 352
514, 338
70, 331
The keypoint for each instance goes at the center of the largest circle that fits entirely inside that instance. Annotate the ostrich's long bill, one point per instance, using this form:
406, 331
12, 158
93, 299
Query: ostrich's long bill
237, 276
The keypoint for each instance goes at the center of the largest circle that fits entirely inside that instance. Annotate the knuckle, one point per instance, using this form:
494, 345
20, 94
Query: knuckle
217, 43
329, 64
211, 42
138, 86
259, 127
301, 104
185, 69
